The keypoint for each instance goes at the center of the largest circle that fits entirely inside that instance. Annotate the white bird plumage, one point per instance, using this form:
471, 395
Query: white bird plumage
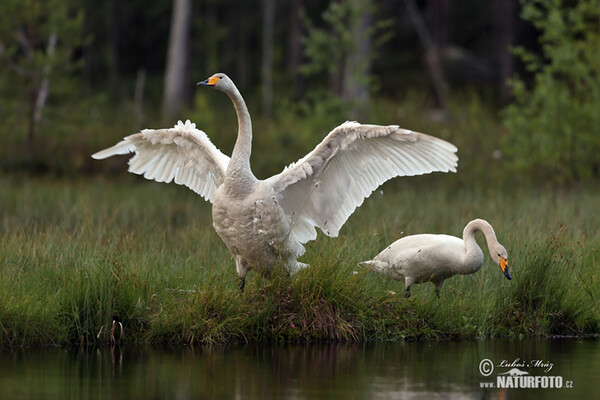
435, 258
264, 222
182, 153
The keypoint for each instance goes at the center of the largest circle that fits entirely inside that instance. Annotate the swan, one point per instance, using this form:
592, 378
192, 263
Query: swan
265, 222
435, 258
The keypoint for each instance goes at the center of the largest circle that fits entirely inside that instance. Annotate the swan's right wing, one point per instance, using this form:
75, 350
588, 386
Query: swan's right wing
325, 187
182, 153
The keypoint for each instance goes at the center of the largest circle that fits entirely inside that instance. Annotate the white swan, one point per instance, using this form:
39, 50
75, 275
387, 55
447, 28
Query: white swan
264, 222
435, 258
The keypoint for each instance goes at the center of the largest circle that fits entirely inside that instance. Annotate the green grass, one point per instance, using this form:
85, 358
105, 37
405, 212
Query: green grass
76, 254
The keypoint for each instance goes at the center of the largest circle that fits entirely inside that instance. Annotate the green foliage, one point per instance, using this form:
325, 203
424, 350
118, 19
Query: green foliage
554, 126
330, 48
38, 40
551, 296
327, 48
26, 29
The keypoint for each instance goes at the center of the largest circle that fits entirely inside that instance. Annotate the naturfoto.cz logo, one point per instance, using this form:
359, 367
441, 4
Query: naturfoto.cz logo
515, 377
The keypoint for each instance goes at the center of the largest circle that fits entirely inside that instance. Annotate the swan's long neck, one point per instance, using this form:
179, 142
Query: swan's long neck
474, 255
239, 176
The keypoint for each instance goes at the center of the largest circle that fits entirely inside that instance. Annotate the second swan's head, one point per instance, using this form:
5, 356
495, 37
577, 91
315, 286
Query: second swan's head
219, 81
500, 256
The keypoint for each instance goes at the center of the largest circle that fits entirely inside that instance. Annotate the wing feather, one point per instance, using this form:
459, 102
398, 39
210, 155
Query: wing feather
324, 188
182, 153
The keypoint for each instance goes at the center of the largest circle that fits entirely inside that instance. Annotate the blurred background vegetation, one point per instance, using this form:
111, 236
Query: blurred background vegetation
514, 84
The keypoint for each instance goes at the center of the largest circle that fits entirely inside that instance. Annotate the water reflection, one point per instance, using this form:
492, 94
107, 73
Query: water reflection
349, 371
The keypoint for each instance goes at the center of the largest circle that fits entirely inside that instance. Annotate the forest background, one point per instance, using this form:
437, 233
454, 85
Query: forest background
514, 83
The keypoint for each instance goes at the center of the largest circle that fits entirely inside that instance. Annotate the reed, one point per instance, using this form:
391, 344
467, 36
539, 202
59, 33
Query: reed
77, 254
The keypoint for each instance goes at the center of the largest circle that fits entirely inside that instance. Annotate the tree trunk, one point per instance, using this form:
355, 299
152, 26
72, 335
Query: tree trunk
358, 64
295, 47
267, 56
439, 26
176, 82
114, 74
42, 93
432, 56
503, 30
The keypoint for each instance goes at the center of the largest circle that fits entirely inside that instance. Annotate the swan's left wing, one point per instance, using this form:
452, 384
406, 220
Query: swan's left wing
325, 187
182, 153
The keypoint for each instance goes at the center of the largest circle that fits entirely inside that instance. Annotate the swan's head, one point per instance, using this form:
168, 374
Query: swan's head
500, 257
219, 81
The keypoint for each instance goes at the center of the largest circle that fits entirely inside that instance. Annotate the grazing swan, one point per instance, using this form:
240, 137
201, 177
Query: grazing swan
435, 258
264, 222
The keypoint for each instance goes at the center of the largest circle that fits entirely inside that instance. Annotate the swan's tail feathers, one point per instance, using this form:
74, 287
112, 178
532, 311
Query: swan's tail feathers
374, 265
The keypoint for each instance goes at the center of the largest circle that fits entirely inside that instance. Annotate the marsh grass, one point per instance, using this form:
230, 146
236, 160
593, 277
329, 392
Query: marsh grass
76, 255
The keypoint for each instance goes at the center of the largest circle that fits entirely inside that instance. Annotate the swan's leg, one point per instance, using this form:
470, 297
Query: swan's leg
438, 287
408, 282
242, 269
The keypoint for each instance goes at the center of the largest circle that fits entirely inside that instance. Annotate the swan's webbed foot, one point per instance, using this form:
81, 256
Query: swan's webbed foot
241, 284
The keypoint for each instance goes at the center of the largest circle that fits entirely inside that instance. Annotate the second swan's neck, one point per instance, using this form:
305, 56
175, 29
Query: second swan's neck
239, 176
474, 254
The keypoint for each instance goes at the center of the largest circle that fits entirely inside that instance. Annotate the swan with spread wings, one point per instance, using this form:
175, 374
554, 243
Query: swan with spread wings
266, 222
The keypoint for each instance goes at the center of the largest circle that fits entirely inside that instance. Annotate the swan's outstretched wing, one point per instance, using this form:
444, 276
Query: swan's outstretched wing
182, 153
325, 187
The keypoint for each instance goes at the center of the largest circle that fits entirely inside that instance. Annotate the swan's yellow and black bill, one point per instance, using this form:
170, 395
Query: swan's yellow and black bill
212, 81
504, 267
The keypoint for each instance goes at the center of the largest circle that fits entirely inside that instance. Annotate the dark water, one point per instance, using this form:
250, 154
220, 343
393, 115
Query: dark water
375, 371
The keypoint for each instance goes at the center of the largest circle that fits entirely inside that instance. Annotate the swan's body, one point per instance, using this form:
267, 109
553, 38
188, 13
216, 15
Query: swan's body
435, 258
264, 222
